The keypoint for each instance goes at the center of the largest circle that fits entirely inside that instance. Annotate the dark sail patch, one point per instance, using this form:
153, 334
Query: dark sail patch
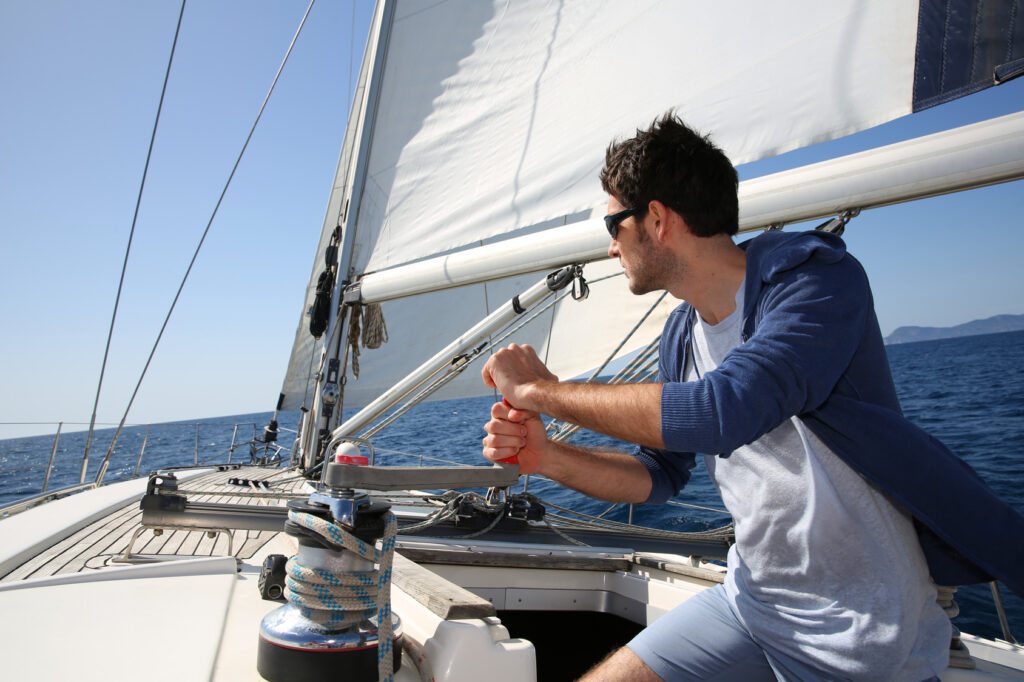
963, 47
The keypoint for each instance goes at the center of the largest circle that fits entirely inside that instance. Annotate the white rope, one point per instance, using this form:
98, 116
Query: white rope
563, 535
337, 601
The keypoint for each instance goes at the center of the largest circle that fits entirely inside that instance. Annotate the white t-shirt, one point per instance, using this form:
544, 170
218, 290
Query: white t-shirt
825, 569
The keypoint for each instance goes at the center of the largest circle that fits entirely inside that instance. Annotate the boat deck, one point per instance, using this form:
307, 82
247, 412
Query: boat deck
439, 584
101, 542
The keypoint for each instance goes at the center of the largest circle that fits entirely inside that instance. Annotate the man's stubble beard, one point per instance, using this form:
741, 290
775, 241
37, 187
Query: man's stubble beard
652, 267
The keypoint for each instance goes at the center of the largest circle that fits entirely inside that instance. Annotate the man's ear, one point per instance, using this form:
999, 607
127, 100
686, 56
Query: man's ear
664, 219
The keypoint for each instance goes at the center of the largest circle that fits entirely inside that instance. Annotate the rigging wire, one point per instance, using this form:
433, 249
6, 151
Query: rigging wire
629, 335
494, 340
454, 370
206, 231
128, 249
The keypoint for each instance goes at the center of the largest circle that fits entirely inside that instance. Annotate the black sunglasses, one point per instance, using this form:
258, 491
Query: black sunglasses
612, 221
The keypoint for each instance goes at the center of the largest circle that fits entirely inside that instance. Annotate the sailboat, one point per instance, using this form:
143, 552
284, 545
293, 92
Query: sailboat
466, 212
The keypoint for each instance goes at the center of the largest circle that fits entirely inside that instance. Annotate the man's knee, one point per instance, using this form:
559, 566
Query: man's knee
622, 664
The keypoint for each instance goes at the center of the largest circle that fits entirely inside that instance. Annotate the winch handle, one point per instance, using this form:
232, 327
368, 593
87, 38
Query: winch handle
515, 458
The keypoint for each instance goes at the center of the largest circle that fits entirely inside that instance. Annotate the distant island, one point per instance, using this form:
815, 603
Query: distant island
991, 325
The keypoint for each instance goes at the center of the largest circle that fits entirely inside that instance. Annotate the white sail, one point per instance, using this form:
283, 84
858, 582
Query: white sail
489, 121
494, 117
972, 156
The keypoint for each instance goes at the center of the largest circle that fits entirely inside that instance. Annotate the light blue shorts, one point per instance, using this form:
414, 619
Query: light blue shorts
703, 639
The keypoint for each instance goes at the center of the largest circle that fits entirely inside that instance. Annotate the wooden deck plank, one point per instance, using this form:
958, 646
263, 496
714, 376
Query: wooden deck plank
150, 542
680, 569
67, 544
172, 541
206, 544
188, 548
92, 546
103, 547
217, 545
216, 489
443, 597
121, 530
78, 550
178, 538
254, 543
113, 542
55, 557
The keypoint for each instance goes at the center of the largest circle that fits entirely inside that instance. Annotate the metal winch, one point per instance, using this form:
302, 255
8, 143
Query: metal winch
338, 588
338, 619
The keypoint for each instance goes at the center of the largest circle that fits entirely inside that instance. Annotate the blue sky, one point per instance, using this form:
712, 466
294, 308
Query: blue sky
80, 83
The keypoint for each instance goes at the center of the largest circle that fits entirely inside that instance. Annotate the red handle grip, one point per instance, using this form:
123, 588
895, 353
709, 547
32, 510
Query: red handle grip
514, 459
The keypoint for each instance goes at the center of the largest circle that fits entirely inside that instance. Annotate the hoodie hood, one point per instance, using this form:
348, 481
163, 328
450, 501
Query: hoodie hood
773, 254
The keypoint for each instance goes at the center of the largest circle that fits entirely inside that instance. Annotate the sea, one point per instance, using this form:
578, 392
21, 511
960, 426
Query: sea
968, 392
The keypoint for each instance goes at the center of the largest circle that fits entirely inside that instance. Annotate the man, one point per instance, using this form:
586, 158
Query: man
775, 369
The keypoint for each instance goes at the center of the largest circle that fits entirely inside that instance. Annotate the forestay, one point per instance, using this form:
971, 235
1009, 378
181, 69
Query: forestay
490, 120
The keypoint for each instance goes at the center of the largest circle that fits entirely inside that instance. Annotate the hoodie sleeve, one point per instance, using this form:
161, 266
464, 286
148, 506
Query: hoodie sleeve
669, 471
810, 323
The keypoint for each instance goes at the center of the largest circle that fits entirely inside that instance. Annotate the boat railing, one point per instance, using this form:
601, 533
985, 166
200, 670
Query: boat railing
35, 500
166, 445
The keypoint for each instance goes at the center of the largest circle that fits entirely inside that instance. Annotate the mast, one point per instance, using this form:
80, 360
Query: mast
328, 400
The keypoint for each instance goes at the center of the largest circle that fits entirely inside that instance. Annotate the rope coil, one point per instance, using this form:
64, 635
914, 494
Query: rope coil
375, 331
367, 320
337, 601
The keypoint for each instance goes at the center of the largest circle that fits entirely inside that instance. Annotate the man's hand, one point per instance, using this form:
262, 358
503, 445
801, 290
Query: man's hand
605, 474
513, 370
626, 412
515, 433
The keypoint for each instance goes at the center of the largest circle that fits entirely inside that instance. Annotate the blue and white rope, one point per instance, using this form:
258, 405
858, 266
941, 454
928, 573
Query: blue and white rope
337, 601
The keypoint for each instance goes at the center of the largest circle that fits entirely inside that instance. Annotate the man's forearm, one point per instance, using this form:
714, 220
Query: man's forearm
609, 475
629, 412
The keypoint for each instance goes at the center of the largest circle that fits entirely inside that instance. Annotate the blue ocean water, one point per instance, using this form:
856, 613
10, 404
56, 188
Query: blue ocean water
968, 392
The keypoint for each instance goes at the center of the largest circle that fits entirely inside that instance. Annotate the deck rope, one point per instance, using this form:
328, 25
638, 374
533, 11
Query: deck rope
375, 331
366, 321
337, 601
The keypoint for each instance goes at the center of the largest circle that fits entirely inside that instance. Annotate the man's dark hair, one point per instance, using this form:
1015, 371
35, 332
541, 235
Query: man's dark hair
672, 164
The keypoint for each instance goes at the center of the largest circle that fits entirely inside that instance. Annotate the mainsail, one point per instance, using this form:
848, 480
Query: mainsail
477, 123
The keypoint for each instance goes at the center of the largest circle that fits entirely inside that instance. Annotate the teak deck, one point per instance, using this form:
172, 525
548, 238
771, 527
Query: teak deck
97, 544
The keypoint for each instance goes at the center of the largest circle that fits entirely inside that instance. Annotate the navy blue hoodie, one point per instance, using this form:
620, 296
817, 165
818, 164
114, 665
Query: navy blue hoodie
812, 348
